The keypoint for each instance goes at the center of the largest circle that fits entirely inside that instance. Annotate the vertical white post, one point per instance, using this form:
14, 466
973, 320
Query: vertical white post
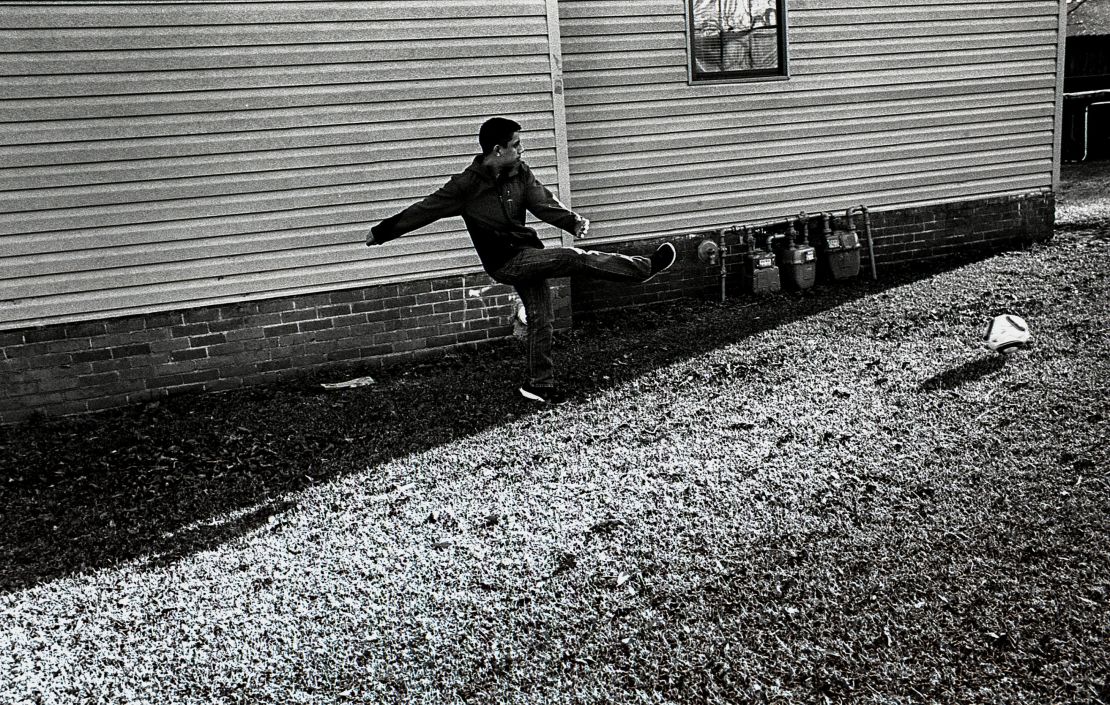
559, 109
1058, 137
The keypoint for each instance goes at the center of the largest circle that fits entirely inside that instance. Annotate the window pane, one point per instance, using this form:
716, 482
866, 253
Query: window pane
735, 37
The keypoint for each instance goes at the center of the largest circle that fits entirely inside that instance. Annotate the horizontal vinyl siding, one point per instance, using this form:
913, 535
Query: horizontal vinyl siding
888, 103
169, 155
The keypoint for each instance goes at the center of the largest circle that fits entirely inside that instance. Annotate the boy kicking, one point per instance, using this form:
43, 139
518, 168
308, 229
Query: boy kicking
493, 196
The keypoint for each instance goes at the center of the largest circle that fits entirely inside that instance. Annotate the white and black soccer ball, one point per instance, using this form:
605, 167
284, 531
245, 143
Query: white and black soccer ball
1006, 333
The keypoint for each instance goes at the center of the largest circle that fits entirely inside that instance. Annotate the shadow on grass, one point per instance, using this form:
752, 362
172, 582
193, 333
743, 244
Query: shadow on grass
967, 372
164, 481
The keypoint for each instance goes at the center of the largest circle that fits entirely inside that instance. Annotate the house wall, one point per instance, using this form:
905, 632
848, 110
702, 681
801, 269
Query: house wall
157, 156
891, 103
185, 187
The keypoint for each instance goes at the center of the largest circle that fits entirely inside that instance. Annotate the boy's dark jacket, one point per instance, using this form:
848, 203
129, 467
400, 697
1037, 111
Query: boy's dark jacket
493, 209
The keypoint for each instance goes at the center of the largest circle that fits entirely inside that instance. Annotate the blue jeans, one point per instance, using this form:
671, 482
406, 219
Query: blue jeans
528, 272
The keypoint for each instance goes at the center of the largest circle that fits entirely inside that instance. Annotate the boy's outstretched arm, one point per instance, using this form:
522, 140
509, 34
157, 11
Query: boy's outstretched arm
544, 205
444, 203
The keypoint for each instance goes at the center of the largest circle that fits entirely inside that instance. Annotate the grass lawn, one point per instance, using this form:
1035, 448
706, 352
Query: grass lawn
837, 497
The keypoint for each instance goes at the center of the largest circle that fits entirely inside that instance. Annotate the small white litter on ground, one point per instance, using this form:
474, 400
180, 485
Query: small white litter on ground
356, 382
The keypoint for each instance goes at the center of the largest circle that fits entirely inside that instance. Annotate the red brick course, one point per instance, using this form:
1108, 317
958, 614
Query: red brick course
79, 367
902, 238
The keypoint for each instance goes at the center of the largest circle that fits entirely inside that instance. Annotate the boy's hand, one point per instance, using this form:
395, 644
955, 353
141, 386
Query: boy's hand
371, 239
581, 227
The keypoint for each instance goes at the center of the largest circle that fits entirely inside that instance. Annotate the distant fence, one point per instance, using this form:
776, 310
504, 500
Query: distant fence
1087, 63
1086, 98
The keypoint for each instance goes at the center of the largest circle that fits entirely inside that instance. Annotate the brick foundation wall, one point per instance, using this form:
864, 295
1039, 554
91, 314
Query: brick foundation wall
687, 278
902, 238
79, 367
913, 236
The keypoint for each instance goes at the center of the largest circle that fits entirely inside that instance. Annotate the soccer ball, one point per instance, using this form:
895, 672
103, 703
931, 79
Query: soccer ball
1006, 333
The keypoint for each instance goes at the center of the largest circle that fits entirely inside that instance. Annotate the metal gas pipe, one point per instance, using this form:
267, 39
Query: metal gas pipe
870, 242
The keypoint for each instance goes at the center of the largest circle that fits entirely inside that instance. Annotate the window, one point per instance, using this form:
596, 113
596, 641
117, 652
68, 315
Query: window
732, 39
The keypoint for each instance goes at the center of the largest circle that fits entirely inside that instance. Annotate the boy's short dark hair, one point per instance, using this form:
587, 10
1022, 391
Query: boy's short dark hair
497, 131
